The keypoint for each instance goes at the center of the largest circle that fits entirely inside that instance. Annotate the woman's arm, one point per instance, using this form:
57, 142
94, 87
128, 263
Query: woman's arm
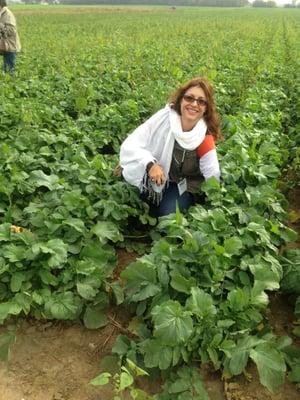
134, 148
143, 147
208, 159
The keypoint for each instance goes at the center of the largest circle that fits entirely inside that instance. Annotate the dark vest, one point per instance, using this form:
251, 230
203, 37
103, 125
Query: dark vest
185, 164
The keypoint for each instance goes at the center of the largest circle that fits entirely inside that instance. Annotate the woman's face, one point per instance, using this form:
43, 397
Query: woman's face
193, 106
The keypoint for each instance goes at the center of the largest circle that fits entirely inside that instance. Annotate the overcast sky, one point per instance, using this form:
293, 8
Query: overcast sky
283, 1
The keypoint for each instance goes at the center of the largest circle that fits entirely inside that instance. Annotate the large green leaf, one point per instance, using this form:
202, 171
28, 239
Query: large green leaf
60, 253
181, 283
239, 354
157, 354
118, 292
86, 290
292, 356
16, 281
75, 223
94, 317
270, 364
260, 231
232, 246
5, 232
291, 277
47, 277
172, 324
106, 230
57, 249
238, 361
39, 178
9, 308
141, 280
63, 306
294, 374
101, 379
146, 290
238, 299
14, 253
288, 235
267, 278
126, 380
200, 303
121, 345
185, 384
102, 255
86, 267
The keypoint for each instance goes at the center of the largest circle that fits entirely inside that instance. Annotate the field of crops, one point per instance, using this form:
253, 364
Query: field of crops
198, 293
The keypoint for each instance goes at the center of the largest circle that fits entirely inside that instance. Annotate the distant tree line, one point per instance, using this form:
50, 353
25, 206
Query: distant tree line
199, 3
262, 3
174, 3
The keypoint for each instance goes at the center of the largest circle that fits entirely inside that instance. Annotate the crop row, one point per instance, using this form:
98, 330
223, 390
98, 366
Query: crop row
203, 290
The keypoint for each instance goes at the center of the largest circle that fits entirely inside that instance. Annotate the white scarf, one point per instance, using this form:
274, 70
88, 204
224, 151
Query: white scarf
188, 140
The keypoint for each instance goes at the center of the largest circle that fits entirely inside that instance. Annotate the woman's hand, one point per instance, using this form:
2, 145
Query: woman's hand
156, 174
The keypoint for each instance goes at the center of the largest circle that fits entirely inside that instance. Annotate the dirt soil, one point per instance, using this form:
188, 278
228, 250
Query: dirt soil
56, 361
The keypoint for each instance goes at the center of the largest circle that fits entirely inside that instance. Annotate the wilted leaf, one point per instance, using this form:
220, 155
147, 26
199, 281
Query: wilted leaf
294, 216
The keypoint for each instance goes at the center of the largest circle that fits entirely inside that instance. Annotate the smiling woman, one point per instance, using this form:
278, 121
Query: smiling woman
169, 155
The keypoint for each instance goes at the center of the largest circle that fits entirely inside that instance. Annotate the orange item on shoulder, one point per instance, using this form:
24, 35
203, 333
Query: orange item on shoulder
207, 145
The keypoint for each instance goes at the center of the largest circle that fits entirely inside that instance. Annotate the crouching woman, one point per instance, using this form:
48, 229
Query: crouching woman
169, 155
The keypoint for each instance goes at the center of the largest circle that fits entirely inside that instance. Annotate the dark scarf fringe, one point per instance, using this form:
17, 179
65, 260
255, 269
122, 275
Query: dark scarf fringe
152, 195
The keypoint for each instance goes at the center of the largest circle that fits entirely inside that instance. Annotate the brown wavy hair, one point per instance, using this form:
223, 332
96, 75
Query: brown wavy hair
211, 116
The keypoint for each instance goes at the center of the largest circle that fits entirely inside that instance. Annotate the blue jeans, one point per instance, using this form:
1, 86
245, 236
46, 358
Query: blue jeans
9, 62
169, 200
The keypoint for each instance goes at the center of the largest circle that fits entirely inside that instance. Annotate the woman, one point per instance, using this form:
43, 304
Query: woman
9, 38
169, 155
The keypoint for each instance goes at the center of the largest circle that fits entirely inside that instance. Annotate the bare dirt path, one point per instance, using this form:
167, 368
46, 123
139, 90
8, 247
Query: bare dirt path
52, 362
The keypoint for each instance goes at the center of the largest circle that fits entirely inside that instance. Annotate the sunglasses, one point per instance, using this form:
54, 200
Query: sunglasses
191, 99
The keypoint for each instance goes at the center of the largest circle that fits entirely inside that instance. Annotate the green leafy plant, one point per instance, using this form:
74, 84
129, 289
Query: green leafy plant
123, 382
